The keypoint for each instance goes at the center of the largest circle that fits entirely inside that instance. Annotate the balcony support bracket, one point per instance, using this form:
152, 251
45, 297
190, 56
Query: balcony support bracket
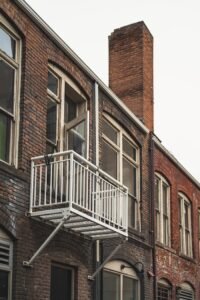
47, 241
92, 277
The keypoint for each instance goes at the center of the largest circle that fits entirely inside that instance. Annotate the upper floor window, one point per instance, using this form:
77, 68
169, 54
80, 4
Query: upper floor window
66, 114
162, 206
164, 290
185, 224
120, 159
9, 92
120, 283
6, 248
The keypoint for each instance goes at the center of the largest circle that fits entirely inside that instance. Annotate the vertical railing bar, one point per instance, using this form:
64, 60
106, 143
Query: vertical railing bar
67, 181
45, 186
80, 187
61, 179
71, 180
77, 184
84, 204
51, 182
31, 188
40, 185
86, 192
56, 182
35, 187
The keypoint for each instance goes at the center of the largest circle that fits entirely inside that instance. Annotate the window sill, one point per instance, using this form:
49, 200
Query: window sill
191, 259
165, 247
10, 169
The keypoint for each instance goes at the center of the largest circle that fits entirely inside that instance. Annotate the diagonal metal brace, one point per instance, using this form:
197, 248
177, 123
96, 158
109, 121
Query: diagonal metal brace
91, 277
46, 242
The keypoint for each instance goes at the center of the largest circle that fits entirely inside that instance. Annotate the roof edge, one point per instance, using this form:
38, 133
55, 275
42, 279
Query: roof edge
61, 44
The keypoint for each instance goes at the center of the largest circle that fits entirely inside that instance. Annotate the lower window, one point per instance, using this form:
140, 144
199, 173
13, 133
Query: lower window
120, 282
62, 283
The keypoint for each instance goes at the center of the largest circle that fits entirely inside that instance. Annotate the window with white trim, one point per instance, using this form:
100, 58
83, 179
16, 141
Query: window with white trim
120, 283
10, 50
67, 115
185, 224
62, 282
185, 292
162, 207
120, 159
6, 253
164, 290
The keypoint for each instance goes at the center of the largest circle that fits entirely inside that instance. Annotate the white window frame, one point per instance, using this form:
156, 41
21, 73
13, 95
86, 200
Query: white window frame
16, 65
115, 267
120, 155
183, 200
5, 240
159, 212
62, 127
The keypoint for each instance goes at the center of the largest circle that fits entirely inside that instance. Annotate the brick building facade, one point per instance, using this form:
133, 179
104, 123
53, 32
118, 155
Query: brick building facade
70, 147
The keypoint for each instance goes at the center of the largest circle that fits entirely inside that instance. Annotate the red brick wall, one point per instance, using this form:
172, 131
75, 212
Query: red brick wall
131, 69
171, 264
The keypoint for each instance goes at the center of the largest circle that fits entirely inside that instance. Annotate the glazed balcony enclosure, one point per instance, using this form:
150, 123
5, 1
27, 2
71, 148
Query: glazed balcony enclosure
66, 185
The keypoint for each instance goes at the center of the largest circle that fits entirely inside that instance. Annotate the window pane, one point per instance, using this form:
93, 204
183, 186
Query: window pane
76, 139
5, 126
61, 283
129, 177
110, 131
7, 75
130, 289
186, 215
109, 159
7, 43
129, 149
163, 293
132, 207
70, 109
52, 83
111, 286
51, 120
157, 193
4, 285
165, 189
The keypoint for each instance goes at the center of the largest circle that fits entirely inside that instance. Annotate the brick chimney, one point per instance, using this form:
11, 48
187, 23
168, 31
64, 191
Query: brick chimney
131, 69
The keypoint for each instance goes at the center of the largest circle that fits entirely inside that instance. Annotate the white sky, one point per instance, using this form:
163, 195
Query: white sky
175, 24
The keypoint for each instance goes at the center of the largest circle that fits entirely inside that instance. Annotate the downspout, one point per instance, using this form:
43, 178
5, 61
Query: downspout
152, 210
97, 245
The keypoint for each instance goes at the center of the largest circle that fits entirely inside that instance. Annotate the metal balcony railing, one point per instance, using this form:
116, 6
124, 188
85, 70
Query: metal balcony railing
67, 182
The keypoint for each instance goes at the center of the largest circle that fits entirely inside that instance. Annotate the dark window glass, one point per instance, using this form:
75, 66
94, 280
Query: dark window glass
129, 149
52, 83
131, 212
3, 285
7, 75
70, 109
7, 43
111, 286
76, 139
5, 126
61, 283
163, 292
51, 120
109, 159
110, 131
129, 176
130, 289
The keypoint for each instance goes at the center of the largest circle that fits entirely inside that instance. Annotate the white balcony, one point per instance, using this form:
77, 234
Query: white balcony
65, 185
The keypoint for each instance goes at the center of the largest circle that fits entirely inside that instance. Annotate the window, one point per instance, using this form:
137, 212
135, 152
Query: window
62, 283
162, 207
5, 266
120, 159
9, 92
66, 114
163, 290
185, 292
185, 225
118, 283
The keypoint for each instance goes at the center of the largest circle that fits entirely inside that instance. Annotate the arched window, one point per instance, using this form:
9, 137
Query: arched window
163, 290
162, 207
120, 282
185, 223
10, 52
121, 160
6, 248
185, 292
67, 119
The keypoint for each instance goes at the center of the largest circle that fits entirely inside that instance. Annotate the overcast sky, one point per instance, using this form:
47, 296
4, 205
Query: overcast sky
175, 24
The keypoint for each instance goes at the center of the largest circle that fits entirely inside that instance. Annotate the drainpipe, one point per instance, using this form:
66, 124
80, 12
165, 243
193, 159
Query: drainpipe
152, 225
